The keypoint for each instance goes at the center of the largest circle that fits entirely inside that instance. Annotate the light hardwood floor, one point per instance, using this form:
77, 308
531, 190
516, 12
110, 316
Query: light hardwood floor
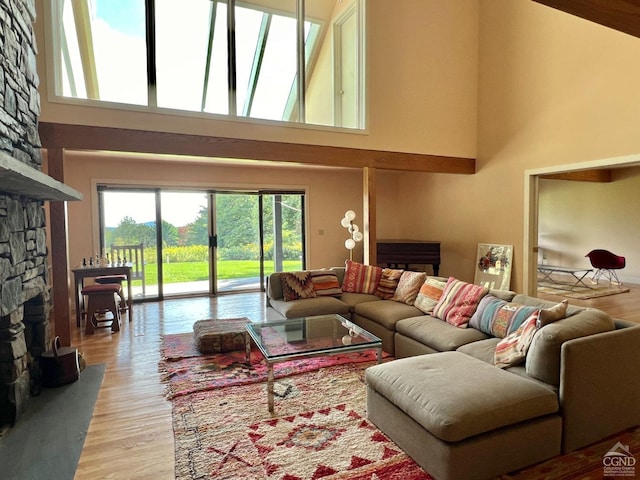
130, 435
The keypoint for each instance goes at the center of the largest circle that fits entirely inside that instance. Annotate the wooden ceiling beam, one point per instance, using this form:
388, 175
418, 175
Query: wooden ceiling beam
596, 175
621, 15
83, 137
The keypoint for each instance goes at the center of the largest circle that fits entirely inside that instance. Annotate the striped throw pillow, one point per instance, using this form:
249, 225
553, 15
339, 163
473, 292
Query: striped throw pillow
359, 278
513, 349
458, 302
296, 285
429, 294
388, 283
325, 283
499, 318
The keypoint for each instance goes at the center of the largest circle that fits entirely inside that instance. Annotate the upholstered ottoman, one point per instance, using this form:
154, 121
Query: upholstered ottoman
461, 418
220, 335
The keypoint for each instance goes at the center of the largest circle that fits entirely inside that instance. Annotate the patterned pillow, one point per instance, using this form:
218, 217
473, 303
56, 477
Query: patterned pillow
499, 318
553, 314
429, 294
388, 283
408, 287
296, 285
513, 349
458, 302
325, 283
359, 278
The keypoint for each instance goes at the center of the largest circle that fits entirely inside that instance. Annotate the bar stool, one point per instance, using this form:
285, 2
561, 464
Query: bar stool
100, 300
114, 279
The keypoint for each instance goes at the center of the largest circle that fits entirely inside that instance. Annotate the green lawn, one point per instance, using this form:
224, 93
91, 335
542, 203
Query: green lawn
197, 271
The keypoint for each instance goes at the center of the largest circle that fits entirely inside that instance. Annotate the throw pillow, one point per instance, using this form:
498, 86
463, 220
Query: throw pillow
388, 283
458, 302
513, 349
359, 278
408, 287
429, 294
325, 283
553, 314
499, 318
296, 285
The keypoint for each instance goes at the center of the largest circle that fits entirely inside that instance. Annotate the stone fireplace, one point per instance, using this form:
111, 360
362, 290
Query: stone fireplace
25, 305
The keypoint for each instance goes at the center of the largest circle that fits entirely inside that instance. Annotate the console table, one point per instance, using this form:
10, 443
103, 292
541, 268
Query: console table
80, 273
577, 273
405, 252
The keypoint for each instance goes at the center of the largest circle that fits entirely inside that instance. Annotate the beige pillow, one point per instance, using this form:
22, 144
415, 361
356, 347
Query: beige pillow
552, 314
408, 287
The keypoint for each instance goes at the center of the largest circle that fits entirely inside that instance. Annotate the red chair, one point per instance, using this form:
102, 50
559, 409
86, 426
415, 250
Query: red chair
606, 264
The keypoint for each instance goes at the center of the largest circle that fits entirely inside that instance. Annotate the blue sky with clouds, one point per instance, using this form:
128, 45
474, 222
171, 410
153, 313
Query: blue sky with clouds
126, 16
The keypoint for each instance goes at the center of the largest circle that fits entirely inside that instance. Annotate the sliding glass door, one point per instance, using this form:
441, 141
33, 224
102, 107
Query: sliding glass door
201, 242
255, 235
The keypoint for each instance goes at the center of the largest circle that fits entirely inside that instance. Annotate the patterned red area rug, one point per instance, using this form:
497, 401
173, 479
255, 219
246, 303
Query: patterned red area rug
319, 430
186, 373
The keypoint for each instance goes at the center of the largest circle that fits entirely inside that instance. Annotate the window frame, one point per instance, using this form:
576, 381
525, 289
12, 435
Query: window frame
56, 64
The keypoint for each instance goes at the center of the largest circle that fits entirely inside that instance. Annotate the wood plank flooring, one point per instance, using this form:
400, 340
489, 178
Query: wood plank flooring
131, 434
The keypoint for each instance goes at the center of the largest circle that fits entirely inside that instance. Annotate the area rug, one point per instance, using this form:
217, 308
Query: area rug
580, 293
209, 372
319, 430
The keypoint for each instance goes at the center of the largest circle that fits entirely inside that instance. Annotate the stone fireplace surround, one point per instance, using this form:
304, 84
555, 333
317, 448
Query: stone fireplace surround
25, 305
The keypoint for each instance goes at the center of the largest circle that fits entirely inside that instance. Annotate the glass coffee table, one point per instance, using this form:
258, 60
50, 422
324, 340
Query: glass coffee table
306, 337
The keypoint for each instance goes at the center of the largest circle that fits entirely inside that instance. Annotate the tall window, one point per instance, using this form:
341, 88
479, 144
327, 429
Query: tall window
224, 57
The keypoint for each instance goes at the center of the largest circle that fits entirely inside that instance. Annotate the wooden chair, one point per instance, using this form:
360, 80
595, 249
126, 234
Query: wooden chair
134, 256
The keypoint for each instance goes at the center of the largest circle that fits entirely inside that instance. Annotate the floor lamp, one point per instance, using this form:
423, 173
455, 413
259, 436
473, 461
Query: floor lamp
354, 231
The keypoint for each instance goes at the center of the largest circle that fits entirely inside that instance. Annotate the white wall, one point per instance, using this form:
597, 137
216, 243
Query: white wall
577, 217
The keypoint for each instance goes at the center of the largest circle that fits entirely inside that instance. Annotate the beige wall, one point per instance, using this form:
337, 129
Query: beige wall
553, 90
422, 90
329, 194
577, 217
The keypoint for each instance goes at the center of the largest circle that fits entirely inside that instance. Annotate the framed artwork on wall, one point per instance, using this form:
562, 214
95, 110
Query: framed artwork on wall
493, 266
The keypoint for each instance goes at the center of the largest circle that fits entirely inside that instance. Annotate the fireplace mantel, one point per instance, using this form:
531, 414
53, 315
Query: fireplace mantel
19, 178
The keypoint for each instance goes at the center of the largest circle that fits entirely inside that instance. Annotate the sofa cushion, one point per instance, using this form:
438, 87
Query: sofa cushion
453, 396
513, 348
499, 318
309, 306
408, 286
458, 302
388, 283
386, 312
482, 349
429, 294
436, 334
353, 299
325, 282
359, 278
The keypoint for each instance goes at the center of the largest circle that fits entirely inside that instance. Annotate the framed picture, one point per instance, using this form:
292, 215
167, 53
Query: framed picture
493, 266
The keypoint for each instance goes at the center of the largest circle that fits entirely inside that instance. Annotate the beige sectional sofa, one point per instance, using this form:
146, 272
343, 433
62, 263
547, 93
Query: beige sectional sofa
460, 417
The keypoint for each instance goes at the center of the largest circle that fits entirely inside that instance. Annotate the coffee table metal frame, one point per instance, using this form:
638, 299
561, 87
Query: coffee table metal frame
359, 340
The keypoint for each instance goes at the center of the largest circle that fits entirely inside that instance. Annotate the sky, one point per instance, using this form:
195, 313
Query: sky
178, 208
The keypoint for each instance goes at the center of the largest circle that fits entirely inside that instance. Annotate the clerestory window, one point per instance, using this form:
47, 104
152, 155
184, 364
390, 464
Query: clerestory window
236, 58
